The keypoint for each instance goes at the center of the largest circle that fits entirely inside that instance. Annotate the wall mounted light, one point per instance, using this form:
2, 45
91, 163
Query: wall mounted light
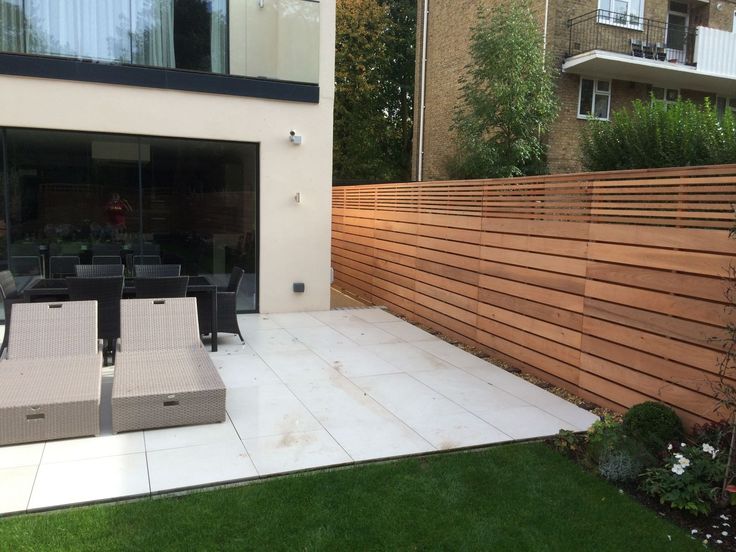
294, 138
298, 197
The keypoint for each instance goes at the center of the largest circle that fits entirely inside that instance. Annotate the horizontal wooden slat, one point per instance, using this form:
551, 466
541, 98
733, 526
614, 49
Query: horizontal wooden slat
607, 284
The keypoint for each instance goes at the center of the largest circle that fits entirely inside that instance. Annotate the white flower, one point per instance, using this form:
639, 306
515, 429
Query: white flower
723, 517
693, 531
669, 447
707, 448
719, 541
684, 462
678, 469
724, 533
682, 445
678, 455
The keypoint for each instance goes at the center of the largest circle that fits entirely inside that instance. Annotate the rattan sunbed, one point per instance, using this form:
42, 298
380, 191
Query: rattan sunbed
163, 375
50, 381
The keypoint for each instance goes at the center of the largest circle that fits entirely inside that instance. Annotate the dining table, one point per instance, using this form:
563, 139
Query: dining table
57, 289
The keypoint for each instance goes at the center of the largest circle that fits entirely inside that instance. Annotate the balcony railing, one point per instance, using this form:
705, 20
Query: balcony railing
628, 34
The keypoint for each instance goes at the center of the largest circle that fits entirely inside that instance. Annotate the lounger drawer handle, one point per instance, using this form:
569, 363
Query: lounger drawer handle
171, 403
159, 302
31, 417
55, 305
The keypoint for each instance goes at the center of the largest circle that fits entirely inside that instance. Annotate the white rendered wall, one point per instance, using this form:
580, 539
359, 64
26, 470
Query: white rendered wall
294, 238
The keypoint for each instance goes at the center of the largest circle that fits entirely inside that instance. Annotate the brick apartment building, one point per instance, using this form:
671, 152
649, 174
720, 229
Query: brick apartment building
609, 52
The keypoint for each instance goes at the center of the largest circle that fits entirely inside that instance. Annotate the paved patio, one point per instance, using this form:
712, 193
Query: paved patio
307, 390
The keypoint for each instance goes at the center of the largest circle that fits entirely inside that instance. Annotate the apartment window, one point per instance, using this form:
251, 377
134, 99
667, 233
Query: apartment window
722, 104
668, 96
626, 13
594, 100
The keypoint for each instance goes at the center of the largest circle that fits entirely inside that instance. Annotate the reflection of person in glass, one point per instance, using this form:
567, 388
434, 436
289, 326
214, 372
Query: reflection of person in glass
116, 210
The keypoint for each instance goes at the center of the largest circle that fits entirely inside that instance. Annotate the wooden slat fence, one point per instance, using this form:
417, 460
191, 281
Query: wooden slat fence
608, 284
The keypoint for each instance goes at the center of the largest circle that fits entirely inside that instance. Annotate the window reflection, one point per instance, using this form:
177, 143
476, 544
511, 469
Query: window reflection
102, 197
275, 39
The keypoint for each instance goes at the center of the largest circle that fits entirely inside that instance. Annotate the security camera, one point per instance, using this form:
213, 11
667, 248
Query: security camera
292, 133
294, 138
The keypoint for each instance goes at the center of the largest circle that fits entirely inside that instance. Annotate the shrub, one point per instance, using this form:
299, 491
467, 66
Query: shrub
690, 479
716, 433
653, 424
620, 465
651, 134
609, 448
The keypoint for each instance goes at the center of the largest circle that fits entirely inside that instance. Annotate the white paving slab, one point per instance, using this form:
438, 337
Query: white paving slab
306, 390
85, 448
199, 465
405, 331
94, 479
16, 456
525, 422
244, 369
295, 451
268, 410
16, 485
269, 341
408, 358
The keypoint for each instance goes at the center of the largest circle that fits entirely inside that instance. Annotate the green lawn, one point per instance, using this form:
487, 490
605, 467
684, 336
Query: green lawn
516, 497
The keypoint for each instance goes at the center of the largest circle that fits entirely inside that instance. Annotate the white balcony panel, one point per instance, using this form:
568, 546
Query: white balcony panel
600, 64
715, 51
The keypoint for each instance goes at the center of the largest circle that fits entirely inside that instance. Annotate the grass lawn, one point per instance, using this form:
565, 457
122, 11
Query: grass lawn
516, 497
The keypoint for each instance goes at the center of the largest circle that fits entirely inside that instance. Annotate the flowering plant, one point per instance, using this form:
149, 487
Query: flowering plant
690, 479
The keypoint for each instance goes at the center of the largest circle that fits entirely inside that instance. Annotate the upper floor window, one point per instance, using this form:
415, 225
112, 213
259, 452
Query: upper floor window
594, 100
626, 13
276, 39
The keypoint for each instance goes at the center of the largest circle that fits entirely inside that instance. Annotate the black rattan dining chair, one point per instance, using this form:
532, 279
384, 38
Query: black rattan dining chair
156, 288
61, 266
10, 295
157, 270
107, 291
107, 260
227, 308
98, 271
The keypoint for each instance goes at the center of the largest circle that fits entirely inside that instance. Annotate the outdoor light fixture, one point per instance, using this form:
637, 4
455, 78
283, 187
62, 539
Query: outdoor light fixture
294, 138
298, 197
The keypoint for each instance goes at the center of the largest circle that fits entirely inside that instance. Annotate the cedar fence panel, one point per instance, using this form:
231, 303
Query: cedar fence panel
609, 284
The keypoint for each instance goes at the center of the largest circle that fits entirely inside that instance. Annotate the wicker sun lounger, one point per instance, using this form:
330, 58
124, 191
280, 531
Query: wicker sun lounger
50, 382
163, 375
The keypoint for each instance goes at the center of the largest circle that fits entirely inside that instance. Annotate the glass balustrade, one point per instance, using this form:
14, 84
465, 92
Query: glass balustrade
273, 39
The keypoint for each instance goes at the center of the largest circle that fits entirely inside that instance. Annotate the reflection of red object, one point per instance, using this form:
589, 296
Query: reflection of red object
115, 210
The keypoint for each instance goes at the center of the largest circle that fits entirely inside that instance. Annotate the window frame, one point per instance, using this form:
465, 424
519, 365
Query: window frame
633, 19
664, 99
596, 91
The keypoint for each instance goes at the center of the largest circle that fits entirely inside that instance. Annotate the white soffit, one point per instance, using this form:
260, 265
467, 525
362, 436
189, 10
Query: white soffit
613, 66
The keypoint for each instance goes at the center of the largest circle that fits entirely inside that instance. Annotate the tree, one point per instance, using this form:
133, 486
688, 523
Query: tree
507, 96
374, 80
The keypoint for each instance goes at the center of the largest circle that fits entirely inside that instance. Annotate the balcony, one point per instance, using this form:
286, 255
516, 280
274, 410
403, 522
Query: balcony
277, 40
609, 45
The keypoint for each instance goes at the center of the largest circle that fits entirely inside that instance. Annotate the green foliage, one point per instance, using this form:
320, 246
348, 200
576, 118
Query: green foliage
653, 424
608, 442
374, 89
508, 100
620, 465
690, 479
652, 134
568, 442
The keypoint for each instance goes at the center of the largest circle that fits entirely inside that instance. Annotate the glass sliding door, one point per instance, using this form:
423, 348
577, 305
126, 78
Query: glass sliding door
199, 208
190, 202
70, 194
